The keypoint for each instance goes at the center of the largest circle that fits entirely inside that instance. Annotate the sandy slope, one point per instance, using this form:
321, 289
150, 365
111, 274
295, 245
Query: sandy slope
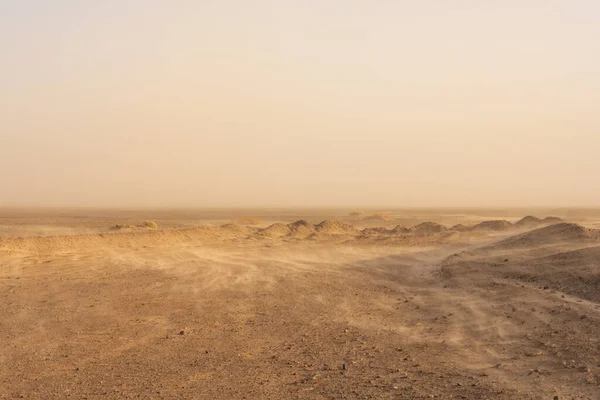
303, 311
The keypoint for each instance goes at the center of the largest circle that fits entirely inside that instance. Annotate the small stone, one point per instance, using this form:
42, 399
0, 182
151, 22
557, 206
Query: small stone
182, 333
344, 367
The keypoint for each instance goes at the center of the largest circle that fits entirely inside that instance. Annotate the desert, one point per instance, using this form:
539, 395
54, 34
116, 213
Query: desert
298, 304
283, 199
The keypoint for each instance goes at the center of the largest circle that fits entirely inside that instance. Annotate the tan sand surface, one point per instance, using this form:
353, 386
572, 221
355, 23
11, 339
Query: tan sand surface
333, 306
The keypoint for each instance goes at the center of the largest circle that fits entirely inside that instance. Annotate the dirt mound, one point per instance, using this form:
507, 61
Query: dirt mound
301, 228
302, 223
336, 228
375, 231
533, 222
275, 230
552, 220
576, 273
400, 230
379, 216
428, 228
553, 234
498, 225
460, 228
528, 221
234, 228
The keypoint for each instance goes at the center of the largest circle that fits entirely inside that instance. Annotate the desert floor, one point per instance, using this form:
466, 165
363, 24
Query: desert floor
405, 304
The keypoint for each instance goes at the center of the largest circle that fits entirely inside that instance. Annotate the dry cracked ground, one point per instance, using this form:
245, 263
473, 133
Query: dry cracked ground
303, 311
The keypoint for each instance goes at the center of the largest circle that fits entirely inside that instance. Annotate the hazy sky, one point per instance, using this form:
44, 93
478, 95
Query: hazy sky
306, 102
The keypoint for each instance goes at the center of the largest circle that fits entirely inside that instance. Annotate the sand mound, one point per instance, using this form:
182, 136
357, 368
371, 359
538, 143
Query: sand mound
400, 230
460, 228
552, 220
379, 216
574, 272
375, 231
532, 222
498, 225
428, 228
234, 228
276, 230
301, 224
336, 228
553, 234
528, 221
301, 228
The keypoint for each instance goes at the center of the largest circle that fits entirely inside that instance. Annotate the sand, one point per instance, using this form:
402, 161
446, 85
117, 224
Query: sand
297, 304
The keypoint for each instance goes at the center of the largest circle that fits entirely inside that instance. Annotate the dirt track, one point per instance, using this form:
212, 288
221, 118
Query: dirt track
232, 314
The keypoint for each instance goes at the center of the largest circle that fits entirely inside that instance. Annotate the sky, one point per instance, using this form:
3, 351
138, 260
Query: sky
276, 103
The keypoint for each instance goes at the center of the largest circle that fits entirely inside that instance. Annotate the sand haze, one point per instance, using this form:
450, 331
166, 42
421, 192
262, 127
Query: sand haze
299, 104
299, 200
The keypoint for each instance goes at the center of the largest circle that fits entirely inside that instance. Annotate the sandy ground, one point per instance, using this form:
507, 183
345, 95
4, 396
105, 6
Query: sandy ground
196, 310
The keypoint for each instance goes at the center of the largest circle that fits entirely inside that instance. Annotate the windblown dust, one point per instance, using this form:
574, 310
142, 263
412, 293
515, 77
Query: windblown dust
301, 310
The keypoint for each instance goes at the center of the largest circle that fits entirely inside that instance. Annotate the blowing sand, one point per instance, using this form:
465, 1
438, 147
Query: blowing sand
344, 307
